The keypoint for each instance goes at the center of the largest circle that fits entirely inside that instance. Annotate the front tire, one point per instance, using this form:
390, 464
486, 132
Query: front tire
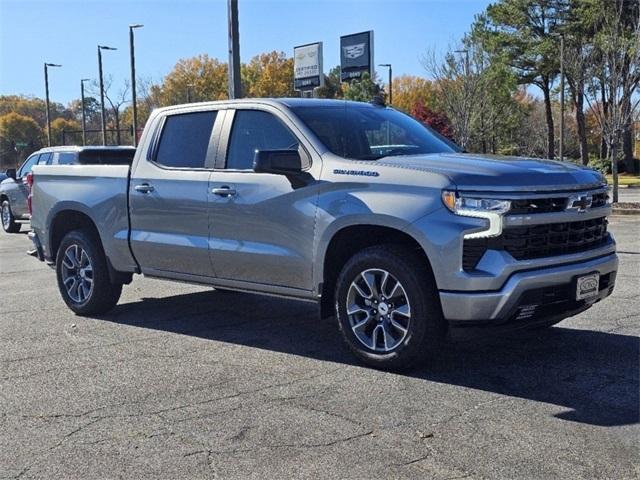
388, 308
9, 223
83, 276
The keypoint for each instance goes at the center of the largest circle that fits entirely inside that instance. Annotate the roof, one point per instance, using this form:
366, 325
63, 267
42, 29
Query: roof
80, 148
287, 102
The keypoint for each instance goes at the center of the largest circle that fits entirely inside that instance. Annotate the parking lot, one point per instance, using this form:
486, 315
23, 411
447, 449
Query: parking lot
182, 381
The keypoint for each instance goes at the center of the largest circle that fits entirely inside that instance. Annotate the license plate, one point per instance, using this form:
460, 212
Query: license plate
587, 286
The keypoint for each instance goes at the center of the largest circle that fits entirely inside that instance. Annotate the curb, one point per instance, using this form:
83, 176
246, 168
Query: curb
626, 211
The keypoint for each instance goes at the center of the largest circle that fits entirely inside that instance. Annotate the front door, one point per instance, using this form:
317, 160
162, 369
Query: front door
169, 198
262, 225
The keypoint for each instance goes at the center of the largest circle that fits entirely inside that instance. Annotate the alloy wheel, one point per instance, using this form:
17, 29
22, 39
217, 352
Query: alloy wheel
77, 273
378, 310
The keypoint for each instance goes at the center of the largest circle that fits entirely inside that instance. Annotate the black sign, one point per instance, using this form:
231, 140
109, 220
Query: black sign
356, 55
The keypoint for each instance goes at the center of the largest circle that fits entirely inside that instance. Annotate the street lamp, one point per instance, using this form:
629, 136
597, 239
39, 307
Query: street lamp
133, 82
102, 115
46, 89
84, 120
388, 65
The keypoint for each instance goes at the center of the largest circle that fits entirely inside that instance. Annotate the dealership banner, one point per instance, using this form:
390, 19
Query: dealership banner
356, 55
307, 66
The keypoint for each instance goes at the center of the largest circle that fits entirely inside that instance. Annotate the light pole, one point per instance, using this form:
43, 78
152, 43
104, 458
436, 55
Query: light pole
46, 90
189, 87
235, 85
388, 65
84, 119
102, 115
133, 82
561, 149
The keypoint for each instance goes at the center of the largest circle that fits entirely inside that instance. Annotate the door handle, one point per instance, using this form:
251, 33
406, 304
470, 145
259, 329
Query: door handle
224, 191
144, 188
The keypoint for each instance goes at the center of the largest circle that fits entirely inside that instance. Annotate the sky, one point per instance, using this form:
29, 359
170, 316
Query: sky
68, 31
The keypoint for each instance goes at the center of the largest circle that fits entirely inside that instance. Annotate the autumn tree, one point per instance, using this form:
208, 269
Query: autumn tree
66, 132
268, 75
201, 77
436, 120
410, 91
17, 130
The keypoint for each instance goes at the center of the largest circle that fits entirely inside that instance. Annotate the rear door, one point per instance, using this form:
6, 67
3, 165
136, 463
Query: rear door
169, 196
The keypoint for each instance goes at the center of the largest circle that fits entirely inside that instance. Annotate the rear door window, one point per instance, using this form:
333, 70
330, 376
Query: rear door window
185, 140
65, 158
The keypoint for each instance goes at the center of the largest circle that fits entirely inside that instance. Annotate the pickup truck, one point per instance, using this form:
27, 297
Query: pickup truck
14, 187
355, 206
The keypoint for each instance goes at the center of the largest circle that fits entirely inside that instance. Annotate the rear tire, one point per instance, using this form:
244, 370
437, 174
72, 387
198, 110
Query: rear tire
83, 275
9, 223
388, 308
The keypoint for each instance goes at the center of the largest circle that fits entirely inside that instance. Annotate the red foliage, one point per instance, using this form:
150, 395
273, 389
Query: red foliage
436, 120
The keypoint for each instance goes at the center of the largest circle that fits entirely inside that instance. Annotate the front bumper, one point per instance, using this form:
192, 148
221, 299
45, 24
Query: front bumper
530, 295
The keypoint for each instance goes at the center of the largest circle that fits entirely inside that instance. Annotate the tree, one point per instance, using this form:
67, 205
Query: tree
616, 62
458, 81
18, 129
523, 31
409, 91
66, 132
436, 120
114, 101
200, 78
32, 107
363, 90
332, 85
268, 75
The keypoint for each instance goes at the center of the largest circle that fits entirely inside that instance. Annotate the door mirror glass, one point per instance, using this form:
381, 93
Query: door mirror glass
281, 162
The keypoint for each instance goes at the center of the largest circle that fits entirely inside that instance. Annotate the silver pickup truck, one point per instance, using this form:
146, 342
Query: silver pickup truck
358, 207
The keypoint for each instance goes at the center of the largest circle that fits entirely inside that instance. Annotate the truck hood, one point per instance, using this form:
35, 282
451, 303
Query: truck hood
501, 173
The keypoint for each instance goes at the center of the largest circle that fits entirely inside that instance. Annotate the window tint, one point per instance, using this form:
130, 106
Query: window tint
255, 130
28, 165
65, 158
44, 158
185, 139
107, 157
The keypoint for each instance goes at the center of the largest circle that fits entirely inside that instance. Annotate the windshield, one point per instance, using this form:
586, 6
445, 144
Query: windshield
369, 133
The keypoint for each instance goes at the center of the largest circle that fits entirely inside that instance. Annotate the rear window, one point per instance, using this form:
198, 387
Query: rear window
106, 157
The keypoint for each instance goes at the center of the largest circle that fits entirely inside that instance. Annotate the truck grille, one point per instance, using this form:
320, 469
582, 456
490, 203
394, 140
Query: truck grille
537, 241
550, 205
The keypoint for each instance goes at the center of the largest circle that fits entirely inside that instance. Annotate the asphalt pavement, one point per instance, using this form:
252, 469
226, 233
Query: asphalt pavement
182, 381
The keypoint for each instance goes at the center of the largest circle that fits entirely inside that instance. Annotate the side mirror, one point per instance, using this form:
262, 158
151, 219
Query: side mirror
11, 173
280, 162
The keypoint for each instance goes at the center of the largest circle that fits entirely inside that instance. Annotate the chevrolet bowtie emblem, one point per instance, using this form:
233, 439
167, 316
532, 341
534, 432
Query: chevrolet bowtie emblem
580, 202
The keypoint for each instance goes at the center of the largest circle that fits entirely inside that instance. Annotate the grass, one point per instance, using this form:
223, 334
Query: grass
625, 179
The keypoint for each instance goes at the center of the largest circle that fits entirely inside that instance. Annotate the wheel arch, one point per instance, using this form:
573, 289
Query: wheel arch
68, 219
345, 241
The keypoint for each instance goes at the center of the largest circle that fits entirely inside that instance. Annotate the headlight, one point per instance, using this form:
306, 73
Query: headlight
490, 208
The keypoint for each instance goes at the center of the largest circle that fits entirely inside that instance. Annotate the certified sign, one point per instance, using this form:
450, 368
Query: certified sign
356, 55
307, 64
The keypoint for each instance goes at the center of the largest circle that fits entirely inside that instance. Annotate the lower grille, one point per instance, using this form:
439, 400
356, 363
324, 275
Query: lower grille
537, 241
